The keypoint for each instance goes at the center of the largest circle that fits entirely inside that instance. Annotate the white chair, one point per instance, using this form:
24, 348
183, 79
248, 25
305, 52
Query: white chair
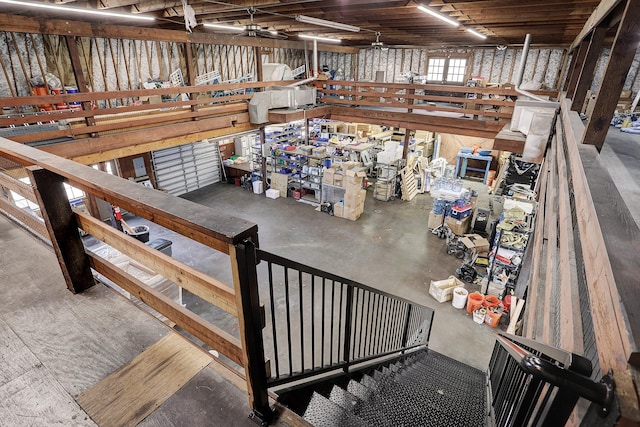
367, 161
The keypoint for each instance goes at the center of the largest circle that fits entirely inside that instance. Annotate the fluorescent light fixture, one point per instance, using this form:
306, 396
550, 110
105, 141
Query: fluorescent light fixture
320, 39
78, 10
325, 23
439, 16
221, 27
477, 34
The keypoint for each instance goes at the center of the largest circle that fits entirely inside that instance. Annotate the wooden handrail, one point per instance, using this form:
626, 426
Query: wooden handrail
190, 322
206, 287
205, 225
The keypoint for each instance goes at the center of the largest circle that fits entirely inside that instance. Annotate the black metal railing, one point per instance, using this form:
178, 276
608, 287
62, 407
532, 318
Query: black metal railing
537, 385
318, 322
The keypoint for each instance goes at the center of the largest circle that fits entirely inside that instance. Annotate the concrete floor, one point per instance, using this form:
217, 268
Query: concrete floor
42, 324
389, 248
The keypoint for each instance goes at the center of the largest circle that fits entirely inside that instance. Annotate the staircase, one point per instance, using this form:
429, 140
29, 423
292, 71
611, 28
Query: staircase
424, 389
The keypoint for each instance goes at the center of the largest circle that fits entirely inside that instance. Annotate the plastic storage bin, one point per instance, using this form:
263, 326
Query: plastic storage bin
163, 245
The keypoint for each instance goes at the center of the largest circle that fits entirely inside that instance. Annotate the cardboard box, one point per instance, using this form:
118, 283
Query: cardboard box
349, 165
338, 209
354, 176
477, 244
351, 129
355, 199
328, 175
435, 220
442, 290
351, 213
458, 226
338, 179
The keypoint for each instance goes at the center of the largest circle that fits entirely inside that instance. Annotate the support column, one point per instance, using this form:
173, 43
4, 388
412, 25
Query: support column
576, 66
245, 279
62, 227
588, 68
622, 54
76, 65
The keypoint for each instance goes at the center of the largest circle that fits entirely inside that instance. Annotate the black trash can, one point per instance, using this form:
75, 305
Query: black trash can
163, 245
140, 232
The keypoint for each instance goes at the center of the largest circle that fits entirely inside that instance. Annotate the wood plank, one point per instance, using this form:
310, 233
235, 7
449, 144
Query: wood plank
588, 68
620, 59
85, 146
146, 147
215, 337
17, 186
601, 12
205, 225
62, 227
550, 264
208, 288
576, 65
571, 333
33, 224
130, 394
616, 346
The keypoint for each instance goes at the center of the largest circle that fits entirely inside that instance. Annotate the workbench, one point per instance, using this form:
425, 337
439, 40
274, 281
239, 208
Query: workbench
461, 165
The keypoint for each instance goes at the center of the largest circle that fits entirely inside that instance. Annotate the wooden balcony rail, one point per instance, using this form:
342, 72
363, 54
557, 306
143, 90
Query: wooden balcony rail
207, 226
422, 97
576, 299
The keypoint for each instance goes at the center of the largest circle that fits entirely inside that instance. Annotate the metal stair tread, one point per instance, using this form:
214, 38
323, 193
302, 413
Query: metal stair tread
322, 412
344, 399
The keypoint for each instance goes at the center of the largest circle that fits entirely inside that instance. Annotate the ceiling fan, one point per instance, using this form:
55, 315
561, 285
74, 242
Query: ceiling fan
250, 30
254, 30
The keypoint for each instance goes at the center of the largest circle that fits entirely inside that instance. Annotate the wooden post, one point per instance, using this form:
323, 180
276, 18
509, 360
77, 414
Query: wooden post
62, 227
245, 278
191, 78
576, 66
588, 68
257, 53
622, 54
79, 75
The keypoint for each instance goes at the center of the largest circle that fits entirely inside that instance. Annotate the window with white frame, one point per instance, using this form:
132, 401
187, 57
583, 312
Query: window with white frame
435, 69
446, 69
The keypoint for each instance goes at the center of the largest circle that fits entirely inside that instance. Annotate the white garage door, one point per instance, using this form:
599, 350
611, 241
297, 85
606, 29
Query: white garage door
187, 167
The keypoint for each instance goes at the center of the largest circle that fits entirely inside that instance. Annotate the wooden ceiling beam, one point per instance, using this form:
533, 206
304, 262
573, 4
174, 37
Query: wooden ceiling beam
601, 12
22, 24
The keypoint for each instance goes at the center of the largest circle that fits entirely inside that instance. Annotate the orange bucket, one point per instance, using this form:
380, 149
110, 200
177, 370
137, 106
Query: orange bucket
59, 105
490, 301
490, 177
474, 301
492, 318
42, 90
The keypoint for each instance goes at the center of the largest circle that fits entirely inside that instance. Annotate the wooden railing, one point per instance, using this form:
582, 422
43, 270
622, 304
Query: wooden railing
219, 231
575, 298
99, 116
415, 97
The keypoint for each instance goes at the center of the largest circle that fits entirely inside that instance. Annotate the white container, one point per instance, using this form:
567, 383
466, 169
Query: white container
479, 315
257, 187
459, 297
272, 194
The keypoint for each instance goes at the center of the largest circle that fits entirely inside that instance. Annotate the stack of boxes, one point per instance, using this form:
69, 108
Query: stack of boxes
350, 176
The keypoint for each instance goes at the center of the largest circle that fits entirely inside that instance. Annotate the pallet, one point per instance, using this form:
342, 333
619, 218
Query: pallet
409, 185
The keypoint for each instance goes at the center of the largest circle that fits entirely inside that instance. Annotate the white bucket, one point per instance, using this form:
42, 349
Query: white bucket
479, 315
257, 187
459, 297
